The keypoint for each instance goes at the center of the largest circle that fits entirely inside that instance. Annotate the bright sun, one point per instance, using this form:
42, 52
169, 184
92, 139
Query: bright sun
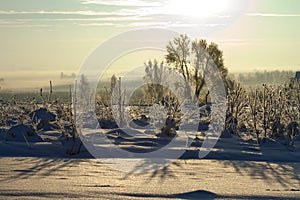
198, 8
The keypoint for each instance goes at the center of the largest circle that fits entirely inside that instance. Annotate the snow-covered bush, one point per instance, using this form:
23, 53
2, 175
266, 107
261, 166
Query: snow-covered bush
22, 133
272, 111
43, 118
237, 104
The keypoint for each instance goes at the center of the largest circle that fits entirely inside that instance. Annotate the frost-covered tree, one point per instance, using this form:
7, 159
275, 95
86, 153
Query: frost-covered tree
237, 101
156, 77
194, 60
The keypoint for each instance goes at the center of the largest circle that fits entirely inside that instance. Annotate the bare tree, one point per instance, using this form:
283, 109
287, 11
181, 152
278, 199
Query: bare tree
113, 83
178, 52
194, 59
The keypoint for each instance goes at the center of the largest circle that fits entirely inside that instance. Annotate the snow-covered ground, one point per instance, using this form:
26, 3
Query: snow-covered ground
40, 160
235, 169
232, 148
64, 178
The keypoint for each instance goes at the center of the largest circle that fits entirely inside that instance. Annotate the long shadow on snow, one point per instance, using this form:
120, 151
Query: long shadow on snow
137, 141
198, 194
42, 167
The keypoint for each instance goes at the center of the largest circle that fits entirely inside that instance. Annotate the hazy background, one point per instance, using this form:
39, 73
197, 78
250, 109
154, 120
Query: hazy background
42, 38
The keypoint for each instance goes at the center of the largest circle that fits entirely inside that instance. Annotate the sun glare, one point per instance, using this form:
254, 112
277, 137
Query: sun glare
198, 8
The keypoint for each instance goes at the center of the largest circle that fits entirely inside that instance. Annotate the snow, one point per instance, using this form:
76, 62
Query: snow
64, 178
135, 140
235, 161
22, 133
43, 117
235, 169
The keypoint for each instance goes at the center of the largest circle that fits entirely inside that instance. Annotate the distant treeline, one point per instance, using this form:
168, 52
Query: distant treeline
64, 76
1, 81
29, 96
261, 77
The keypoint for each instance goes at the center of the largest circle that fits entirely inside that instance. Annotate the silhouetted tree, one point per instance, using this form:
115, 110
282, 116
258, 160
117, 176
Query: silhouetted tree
193, 60
113, 83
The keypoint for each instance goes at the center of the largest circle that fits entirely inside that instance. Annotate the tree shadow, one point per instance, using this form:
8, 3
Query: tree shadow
199, 194
41, 167
286, 174
162, 172
21, 194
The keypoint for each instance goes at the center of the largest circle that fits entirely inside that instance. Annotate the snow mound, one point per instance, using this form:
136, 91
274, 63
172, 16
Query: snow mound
73, 146
108, 124
43, 117
22, 133
225, 134
140, 123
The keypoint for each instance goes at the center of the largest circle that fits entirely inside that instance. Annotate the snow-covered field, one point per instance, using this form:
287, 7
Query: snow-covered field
64, 178
231, 148
235, 169
42, 158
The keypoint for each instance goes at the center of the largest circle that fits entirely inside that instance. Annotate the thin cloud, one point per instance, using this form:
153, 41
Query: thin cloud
14, 25
131, 3
147, 24
46, 22
151, 24
103, 20
82, 12
139, 24
272, 15
123, 17
10, 22
77, 16
96, 24
159, 24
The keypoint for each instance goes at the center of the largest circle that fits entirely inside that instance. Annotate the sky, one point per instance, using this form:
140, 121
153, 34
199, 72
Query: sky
41, 38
